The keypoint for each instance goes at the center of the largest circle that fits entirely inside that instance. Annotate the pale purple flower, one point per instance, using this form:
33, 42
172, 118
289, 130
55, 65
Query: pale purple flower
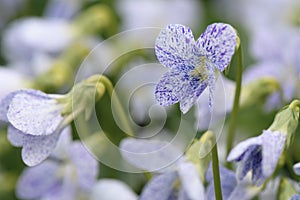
10, 80
259, 155
158, 13
70, 173
193, 64
295, 197
105, 189
26, 38
281, 62
270, 191
148, 155
35, 123
64, 9
254, 16
231, 188
228, 182
296, 168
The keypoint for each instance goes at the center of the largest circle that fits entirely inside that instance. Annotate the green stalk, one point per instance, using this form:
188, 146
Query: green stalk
236, 102
216, 173
116, 102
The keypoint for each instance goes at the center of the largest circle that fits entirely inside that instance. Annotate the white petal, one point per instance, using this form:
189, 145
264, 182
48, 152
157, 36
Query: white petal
190, 181
108, 189
34, 112
38, 148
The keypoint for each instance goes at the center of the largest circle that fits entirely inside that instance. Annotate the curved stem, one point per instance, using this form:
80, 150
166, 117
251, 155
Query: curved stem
216, 173
233, 115
295, 104
116, 102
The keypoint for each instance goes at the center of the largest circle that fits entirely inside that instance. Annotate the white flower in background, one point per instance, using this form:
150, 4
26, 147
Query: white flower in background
159, 13
10, 80
254, 16
63, 9
108, 189
26, 38
177, 176
70, 173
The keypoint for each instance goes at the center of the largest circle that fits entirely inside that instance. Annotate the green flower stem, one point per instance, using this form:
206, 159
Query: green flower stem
238, 88
216, 173
116, 102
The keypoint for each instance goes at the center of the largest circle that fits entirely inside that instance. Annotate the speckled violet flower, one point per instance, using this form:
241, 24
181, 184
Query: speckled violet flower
193, 64
35, 123
179, 179
70, 173
259, 155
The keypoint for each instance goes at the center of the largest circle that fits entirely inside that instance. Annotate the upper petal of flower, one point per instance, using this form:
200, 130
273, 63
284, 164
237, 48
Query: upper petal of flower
251, 161
38, 148
190, 181
238, 152
87, 166
34, 112
217, 43
37, 180
106, 189
174, 45
273, 145
159, 187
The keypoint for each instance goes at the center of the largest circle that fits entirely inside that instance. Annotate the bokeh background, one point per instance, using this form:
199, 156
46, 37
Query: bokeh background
44, 42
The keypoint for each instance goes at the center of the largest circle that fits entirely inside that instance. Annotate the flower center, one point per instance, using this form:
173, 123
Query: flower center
201, 70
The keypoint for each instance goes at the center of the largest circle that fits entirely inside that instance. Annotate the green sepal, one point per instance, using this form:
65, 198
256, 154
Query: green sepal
198, 152
82, 98
286, 121
285, 189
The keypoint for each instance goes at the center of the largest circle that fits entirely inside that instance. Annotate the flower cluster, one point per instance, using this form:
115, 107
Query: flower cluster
60, 100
